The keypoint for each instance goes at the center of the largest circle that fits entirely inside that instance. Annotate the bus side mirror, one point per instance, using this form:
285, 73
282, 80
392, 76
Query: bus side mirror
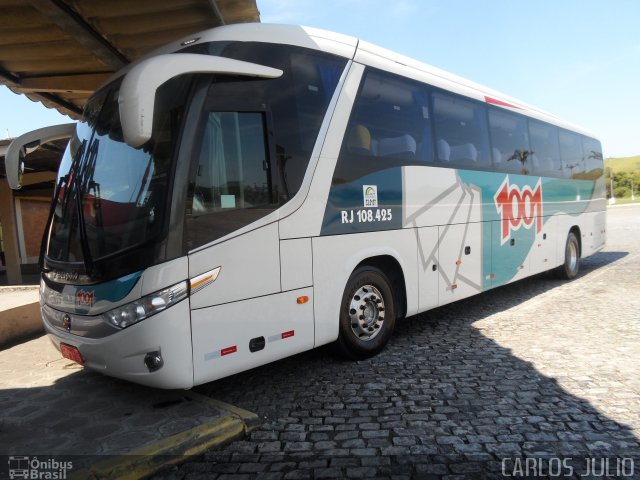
14, 160
138, 91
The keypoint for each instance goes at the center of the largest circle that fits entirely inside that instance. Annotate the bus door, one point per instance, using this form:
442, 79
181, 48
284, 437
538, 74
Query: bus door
238, 308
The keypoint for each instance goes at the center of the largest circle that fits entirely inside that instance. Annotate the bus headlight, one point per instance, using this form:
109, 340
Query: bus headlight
126, 315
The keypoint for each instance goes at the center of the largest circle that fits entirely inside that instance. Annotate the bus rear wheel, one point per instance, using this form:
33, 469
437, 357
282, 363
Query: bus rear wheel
367, 313
569, 269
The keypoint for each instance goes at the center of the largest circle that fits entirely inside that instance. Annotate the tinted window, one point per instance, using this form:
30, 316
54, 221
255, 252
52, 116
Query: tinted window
397, 121
232, 186
122, 191
462, 138
297, 101
389, 126
510, 142
545, 157
593, 159
571, 154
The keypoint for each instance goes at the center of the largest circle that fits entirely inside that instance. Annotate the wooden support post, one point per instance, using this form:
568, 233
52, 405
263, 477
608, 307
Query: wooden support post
9, 234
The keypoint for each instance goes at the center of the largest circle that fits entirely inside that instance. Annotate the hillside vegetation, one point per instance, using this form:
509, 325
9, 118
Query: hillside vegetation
626, 164
625, 173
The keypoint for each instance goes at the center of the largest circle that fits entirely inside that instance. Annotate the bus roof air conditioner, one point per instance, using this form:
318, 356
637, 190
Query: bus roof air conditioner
138, 90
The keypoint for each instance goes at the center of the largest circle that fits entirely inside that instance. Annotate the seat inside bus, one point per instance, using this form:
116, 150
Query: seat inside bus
466, 153
361, 142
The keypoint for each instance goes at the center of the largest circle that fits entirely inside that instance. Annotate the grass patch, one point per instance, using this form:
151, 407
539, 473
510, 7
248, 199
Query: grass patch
625, 164
627, 200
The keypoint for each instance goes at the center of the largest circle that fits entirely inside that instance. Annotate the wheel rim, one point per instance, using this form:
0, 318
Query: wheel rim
366, 312
572, 256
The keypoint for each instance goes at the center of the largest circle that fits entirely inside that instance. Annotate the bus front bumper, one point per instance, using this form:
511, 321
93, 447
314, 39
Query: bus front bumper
122, 354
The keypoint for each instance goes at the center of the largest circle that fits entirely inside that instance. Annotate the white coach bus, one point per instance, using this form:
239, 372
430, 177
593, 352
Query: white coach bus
255, 191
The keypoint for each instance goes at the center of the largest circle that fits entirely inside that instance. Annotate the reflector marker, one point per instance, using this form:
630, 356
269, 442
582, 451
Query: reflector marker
458, 262
491, 276
302, 299
454, 286
211, 355
228, 351
220, 353
281, 336
72, 353
199, 282
288, 334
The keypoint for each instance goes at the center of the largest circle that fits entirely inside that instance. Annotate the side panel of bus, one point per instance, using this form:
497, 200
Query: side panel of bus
474, 229
244, 318
449, 232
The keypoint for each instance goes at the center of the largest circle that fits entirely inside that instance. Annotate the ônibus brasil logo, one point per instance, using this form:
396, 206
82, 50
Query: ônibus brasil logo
518, 207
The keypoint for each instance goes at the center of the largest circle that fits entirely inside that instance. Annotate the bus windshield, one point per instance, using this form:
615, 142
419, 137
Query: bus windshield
114, 201
111, 197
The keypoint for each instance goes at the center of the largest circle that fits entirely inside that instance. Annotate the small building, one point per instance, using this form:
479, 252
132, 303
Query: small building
24, 213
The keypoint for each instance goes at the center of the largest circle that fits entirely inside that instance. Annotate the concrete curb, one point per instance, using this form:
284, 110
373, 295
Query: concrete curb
18, 319
250, 419
620, 205
150, 458
17, 288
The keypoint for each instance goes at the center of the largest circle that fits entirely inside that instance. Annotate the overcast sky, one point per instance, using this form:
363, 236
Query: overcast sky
578, 59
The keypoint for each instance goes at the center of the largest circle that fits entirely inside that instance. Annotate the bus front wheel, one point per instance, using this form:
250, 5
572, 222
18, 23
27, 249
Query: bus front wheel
569, 269
367, 313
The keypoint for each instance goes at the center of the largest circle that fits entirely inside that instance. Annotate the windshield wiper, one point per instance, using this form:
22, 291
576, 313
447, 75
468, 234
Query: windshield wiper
97, 209
94, 186
80, 182
64, 179
52, 209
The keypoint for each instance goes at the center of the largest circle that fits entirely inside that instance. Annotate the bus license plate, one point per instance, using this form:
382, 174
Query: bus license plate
72, 353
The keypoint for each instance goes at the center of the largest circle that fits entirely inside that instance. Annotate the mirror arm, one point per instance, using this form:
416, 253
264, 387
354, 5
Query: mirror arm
19, 145
138, 90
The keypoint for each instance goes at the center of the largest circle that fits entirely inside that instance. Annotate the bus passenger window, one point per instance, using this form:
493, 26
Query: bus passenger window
510, 142
389, 127
593, 158
462, 137
544, 144
571, 154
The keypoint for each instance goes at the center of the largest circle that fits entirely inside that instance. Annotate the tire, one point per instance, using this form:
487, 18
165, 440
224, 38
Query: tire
571, 266
367, 314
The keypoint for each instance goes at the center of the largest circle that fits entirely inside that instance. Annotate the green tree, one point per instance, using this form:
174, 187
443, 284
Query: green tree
621, 192
622, 179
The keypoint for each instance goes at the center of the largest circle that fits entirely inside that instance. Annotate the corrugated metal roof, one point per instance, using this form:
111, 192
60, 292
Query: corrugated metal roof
59, 51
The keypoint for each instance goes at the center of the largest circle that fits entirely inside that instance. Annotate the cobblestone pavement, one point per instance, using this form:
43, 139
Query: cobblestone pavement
538, 369
51, 406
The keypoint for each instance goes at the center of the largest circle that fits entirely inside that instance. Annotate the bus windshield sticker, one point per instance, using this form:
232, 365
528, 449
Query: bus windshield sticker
370, 193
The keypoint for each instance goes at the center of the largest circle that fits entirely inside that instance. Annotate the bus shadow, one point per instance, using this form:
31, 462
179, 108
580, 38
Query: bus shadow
441, 392
599, 260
